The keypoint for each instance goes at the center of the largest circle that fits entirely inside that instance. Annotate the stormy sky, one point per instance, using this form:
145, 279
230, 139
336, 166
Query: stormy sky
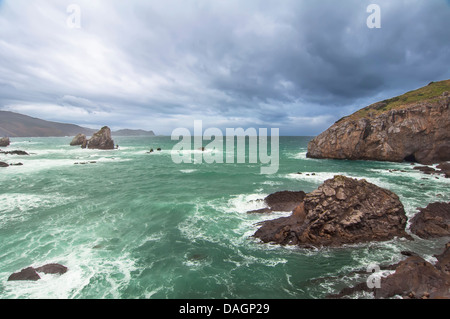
297, 65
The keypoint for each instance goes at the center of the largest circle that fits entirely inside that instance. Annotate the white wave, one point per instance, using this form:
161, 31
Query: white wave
272, 183
300, 155
317, 177
188, 171
17, 207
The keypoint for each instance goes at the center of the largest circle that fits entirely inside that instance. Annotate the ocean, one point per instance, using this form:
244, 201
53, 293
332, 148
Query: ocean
130, 224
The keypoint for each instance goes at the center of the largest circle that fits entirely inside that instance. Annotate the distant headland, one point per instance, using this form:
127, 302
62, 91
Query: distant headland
20, 125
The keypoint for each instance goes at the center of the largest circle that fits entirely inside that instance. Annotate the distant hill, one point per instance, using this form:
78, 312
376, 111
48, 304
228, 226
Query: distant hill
127, 132
19, 125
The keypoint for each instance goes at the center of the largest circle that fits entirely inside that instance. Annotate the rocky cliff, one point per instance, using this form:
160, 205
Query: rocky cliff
413, 127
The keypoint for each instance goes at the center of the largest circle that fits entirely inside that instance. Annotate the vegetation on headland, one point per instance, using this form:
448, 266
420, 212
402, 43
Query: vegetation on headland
429, 93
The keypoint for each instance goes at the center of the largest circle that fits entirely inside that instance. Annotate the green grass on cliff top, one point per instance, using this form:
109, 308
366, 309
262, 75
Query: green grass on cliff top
429, 93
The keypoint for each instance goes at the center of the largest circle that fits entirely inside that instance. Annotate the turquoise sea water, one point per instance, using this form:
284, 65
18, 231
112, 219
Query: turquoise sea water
137, 225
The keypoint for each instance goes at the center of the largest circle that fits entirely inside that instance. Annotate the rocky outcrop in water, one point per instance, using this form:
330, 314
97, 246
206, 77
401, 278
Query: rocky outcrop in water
78, 140
31, 273
100, 140
413, 127
17, 152
284, 201
414, 278
432, 221
341, 211
4, 141
3, 164
444, 169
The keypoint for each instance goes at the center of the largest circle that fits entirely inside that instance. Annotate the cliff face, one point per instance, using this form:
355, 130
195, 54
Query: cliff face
413, 127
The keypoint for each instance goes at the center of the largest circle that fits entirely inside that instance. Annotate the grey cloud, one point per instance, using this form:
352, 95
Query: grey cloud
257, 61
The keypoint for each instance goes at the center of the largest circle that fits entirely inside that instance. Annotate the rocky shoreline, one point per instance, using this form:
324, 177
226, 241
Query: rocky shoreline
346, 211
413, 278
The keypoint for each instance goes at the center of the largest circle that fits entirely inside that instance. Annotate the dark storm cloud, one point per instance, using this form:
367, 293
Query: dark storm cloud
298, 65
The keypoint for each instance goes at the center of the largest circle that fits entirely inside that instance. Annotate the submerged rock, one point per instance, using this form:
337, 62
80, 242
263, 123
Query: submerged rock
432, 221
16, 152
341, 211
4, 141
78, 140
3, 164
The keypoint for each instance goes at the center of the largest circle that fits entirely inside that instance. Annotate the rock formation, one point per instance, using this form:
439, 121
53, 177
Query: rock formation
100, 140
4, 141
16, 152
285, 201
413, 127
432, 221
3, 164
78, 140
444, 168
31, 273
341, 211
28, 273
414, 278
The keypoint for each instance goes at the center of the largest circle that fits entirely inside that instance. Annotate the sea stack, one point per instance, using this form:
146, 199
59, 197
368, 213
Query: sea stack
4, 141
78, 140
341, 211
101, 140
412, 127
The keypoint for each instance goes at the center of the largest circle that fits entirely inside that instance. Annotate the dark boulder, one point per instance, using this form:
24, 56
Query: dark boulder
3, 164
16, 152
443, 263
4, 141
16, 164
28, 273
52, 269
415, 278
444, 168
31, 273
285, 201
341, 211
432, 221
